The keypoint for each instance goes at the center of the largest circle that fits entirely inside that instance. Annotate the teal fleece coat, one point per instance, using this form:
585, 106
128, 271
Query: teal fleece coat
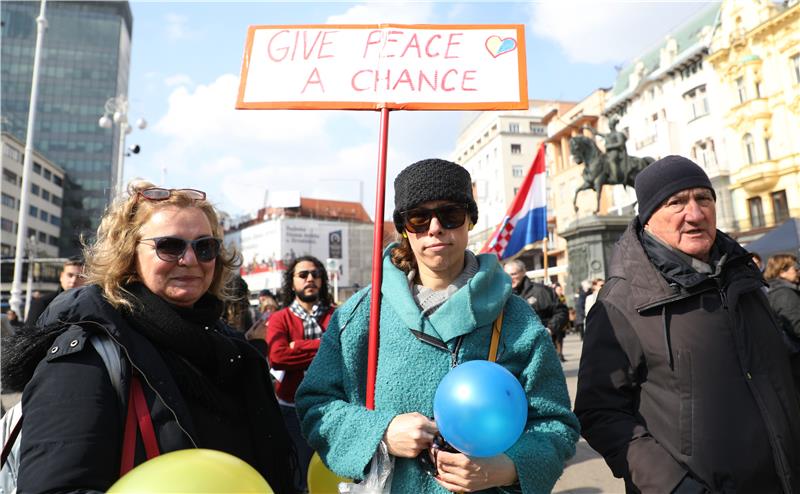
330, 400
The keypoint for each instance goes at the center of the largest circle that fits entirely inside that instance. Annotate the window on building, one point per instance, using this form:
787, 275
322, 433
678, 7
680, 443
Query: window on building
9, 201
34, 189
55, 220
767, 148
7, 225
516, 171
31, 233
516, 149
12, 152
37, 168
58, 180
33, 211
758, 89
42, 237
5, 250
45, 195
56, 200
749, 148
43, 215
756, 212
697, 102
52, 240
537, 129
740, 90
513, 128
47, 174
780, 206
9, 176
796, 67
703, 153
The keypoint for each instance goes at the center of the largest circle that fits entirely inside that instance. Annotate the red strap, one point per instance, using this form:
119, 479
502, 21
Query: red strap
137, 413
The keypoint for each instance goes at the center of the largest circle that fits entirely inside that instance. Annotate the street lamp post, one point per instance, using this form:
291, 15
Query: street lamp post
116, 112
22, 223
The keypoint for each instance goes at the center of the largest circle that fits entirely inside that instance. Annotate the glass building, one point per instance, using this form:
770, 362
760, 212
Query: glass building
85, 61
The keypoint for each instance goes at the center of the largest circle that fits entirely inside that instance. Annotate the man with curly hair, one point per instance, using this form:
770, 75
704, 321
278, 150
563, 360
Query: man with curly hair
293, 337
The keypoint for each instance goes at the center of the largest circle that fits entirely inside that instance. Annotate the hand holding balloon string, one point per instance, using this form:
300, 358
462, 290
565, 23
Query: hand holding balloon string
409, 434
461, 473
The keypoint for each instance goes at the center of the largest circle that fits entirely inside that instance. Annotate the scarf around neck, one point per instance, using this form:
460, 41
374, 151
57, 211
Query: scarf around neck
429, 300
312, 329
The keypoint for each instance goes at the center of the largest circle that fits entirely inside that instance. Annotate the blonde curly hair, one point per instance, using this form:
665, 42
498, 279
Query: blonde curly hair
111, 258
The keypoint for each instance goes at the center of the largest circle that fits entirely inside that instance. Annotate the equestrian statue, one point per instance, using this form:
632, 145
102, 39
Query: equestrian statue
614, 167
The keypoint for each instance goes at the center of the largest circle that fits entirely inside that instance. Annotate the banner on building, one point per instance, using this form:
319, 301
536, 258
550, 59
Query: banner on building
409, 67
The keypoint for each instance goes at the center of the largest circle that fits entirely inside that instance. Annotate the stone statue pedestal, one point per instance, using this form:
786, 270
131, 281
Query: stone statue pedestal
590, 242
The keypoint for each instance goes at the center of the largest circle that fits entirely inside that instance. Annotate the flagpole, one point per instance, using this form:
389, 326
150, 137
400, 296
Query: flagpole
544, 252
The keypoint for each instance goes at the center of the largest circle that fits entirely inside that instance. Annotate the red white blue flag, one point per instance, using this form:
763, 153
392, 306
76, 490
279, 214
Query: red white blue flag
525, 222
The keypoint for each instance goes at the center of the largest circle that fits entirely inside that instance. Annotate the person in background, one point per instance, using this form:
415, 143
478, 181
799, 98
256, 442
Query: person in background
13, 319
758, 261
257, 334
71, 277
237, 308
591, 297
584, 289
293, 338
685, 385
438, 306
783, 276
543, 301
157, 273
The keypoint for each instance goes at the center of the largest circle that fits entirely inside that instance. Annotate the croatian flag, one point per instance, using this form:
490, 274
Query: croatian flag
526, 220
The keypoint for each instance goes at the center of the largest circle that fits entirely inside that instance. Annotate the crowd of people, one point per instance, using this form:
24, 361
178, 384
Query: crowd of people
689, 379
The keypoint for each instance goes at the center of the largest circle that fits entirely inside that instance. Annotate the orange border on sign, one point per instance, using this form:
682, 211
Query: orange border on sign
521, 104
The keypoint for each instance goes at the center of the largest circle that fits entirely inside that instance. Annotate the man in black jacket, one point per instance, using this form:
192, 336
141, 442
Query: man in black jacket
685, 385
71, 277
543, 301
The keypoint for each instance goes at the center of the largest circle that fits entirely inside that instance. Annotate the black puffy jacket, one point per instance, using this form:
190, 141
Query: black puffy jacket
688, 377
544, 302
73, 426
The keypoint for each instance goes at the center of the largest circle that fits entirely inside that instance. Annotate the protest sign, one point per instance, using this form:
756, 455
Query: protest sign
408, 67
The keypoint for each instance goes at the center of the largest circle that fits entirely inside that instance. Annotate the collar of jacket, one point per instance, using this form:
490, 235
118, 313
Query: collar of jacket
476, 304
662, 277
781, 283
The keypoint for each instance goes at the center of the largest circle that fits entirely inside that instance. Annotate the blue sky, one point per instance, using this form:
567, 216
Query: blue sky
187, 58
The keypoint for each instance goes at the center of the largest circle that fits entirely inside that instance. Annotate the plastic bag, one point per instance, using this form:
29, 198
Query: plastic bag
379, 477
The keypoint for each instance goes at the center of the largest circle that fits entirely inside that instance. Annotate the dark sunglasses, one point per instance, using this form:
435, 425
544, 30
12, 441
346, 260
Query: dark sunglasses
315, 274
170, 249
159, 194
419, 220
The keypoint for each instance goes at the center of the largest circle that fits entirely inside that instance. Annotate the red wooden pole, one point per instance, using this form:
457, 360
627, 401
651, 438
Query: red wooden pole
377, 262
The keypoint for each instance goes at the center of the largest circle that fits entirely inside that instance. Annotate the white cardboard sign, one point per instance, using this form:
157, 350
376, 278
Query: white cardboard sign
410, 67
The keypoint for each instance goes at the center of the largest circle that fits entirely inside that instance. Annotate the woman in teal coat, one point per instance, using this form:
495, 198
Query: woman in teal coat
439, 302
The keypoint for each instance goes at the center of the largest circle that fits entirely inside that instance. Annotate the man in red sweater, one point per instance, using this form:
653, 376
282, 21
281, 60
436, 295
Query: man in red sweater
293, 337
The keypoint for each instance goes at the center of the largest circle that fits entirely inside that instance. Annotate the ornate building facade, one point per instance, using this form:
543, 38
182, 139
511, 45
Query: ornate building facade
755, 52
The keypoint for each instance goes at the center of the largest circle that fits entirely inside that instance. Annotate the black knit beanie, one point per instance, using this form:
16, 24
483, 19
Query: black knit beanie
432, 180
665, 177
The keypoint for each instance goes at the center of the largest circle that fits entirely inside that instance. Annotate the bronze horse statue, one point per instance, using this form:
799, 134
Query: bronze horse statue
597, 171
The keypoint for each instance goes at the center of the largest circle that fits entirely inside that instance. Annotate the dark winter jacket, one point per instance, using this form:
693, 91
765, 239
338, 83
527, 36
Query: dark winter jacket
73, 429
684, 376
784, 298
543, 300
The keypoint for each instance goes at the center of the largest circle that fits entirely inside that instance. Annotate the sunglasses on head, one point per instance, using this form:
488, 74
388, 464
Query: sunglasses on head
159, 194
315, 274
170, 249
450, 216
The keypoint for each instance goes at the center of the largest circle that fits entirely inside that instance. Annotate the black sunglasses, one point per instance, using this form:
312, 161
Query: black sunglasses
170, 249
315, 274
419, 220
159, 194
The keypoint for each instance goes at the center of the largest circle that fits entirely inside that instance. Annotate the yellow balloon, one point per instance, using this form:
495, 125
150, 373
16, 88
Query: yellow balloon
320, 479
191, 471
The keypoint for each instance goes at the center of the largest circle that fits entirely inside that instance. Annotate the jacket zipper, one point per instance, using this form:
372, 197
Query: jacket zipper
146, 380
776, 450
435, 342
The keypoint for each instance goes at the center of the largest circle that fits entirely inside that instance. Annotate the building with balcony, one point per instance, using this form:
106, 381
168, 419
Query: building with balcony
755, 52
667, 101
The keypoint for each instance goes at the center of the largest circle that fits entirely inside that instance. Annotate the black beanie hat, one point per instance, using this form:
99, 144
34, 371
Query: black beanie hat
432, 180
667, 176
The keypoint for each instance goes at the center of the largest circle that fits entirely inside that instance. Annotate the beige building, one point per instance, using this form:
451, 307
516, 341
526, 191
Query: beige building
498, 148
44, 206
755, 52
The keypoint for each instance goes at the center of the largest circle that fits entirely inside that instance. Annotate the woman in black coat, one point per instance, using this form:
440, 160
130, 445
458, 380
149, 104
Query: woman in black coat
157, 274
783, 275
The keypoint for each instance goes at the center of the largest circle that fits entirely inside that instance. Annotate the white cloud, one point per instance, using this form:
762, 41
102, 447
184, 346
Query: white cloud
177, 27
608, 31
178, 80
374, 13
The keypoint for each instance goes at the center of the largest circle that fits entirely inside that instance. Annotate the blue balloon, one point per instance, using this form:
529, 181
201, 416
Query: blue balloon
480, 408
